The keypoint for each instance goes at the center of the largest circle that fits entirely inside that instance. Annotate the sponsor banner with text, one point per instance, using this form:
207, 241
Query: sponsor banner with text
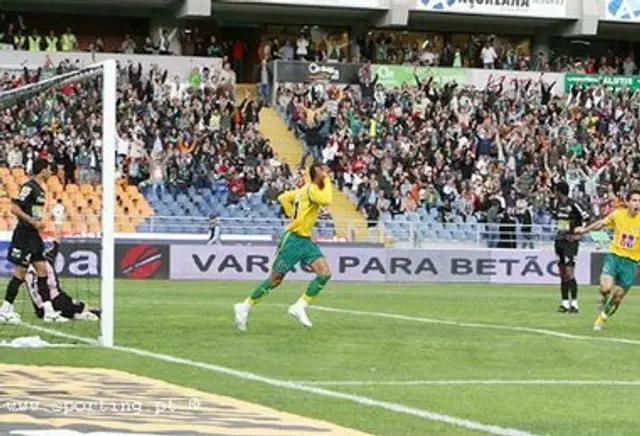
300, 72
511, 8
396, 75
481, 78
613, 82
82, 259
355, 264
79, 259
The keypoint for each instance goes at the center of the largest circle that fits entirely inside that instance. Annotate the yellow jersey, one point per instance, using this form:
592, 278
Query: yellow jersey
626, 234
303, 206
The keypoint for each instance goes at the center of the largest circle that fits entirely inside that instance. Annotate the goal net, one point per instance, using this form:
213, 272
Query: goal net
70, 120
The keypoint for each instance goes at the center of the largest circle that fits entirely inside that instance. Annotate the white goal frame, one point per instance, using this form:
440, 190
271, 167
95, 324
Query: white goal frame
109, 82
107, 270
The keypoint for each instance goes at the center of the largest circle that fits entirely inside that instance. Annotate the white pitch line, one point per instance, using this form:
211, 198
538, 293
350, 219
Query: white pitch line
544, 332
60, 334
291, 385
472, 383
358, 399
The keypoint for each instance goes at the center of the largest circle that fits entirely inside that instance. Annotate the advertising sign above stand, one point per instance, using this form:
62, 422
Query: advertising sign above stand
301, 72
632, 83
396, 75
626, 11
481, 78
510, 8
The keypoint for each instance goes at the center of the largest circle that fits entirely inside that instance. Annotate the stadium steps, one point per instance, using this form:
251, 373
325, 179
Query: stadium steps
289, 149
243, 88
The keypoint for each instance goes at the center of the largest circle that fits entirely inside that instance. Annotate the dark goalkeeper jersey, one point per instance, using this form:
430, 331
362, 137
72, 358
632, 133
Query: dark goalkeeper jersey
31, 200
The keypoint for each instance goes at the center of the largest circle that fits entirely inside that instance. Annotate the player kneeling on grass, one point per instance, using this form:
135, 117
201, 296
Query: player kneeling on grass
61, 301
620, 264
303, 206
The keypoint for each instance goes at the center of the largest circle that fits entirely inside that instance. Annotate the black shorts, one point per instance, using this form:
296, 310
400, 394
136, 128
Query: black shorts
65, 305
567, 251
26, 247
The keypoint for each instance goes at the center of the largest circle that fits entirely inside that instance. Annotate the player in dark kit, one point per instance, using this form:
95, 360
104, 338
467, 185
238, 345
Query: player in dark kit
27, 246
569, 215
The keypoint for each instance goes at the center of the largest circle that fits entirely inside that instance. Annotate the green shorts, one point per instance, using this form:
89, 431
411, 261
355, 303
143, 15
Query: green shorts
294, 249
621, 269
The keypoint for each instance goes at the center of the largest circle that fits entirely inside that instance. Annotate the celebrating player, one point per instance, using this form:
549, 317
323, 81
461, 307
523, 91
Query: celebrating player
569, 215
303, 206
27, 246
620, 264
61, 301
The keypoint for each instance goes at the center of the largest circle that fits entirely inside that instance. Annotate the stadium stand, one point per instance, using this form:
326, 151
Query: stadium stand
212, 161
480, 153
455, 163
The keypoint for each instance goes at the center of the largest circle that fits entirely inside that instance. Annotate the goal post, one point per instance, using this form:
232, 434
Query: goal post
55, 108
109, 75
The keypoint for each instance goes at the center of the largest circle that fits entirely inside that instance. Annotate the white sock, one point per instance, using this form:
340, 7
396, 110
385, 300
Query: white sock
565, 304
302, 303
574, 303
6, 307
48, 307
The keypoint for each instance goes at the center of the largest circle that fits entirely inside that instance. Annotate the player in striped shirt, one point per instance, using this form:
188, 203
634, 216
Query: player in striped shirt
62, 302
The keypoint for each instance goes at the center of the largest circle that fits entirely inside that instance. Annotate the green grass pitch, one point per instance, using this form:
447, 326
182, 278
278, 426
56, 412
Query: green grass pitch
193, 320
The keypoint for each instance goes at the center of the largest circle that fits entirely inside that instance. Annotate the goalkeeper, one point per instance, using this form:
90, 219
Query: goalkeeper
61, 301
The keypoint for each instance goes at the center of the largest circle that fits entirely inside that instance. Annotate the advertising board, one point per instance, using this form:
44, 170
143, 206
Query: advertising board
356, 264
522, 8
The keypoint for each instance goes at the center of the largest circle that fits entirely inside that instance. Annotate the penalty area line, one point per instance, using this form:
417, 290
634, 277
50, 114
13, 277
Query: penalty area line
297, 386
471, 383
536, 331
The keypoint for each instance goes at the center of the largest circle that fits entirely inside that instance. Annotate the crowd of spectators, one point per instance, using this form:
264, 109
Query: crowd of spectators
479, 51
468, 154
459, 153
171, 136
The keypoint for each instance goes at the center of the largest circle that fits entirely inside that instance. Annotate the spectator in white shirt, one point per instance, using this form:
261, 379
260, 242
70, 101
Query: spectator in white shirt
227, 77
166, 39
58, 212
489, 56
123, 145
14, 159
302, 48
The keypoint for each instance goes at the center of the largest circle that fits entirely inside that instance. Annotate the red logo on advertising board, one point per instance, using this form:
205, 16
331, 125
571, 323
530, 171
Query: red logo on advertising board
141, 262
